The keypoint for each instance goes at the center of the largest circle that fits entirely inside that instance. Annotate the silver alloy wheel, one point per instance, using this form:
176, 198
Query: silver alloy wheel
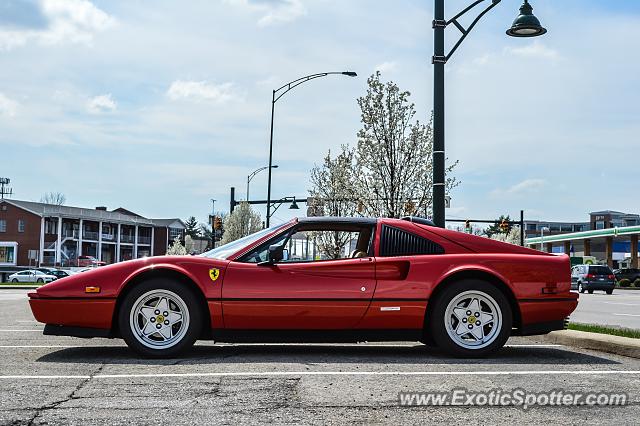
159, 319
473, 319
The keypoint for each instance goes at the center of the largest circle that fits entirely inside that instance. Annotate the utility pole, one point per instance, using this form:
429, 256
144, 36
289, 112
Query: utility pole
213, 219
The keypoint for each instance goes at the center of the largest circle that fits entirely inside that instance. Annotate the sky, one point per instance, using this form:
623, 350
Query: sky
160, 106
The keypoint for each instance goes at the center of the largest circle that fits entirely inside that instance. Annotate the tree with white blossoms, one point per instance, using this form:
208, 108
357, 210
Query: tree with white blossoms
242, 222
332, 195
390, 172
512, 237
176, 248
393, 157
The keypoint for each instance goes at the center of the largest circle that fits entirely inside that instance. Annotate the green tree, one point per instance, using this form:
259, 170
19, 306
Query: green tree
495, 228
192, 228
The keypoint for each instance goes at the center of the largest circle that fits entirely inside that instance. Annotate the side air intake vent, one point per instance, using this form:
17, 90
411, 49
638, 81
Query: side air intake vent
396, 242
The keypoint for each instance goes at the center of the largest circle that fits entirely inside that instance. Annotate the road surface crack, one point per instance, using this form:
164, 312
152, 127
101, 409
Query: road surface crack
71, 396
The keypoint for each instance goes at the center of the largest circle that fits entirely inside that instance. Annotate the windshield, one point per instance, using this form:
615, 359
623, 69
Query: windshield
224, 251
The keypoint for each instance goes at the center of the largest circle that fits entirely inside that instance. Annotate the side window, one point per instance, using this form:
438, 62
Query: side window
397, 242
316, 244
261, 254
310, 245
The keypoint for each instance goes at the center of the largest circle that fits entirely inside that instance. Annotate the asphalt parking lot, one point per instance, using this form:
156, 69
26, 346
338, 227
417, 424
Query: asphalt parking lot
57, 380
621, 309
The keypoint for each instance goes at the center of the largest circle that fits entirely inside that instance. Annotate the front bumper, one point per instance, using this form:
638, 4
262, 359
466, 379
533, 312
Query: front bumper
90, 313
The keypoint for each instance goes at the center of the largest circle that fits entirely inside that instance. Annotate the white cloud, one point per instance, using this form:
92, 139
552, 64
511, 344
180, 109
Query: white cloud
534, 50
8, 106
526, 186
202, 91
387, 67
74, 21
102, 103
273, 11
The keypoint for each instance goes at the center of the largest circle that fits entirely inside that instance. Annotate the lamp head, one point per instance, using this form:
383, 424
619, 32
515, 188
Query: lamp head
294, 205
526, 24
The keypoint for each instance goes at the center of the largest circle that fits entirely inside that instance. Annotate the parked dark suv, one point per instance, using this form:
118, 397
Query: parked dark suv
631, 274
592, 277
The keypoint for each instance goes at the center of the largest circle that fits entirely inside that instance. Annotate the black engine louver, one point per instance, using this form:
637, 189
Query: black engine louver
396, 242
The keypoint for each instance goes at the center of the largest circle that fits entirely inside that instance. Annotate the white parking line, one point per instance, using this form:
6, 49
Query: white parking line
251, 344
627, 315
336, 373
622, 304
39, 330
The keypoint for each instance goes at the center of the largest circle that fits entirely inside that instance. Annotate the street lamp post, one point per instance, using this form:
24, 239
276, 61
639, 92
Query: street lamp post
254, 173
277, 94
544, 228
525, 25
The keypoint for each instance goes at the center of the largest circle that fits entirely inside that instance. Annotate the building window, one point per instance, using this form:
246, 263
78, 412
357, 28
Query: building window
20, 225
8, 254
3, 225
600, 224
174, 232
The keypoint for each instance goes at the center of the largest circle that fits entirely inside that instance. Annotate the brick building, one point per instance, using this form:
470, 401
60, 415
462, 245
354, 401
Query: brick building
59, 234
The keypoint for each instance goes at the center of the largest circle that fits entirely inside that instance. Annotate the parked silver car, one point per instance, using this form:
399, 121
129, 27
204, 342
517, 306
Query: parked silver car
592, 277
31, 276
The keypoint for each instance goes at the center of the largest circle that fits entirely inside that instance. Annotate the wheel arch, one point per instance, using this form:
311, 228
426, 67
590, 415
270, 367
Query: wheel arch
166, 273
476, 274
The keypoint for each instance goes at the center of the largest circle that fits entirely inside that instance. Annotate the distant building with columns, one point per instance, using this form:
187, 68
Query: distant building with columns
611, 236
61, 235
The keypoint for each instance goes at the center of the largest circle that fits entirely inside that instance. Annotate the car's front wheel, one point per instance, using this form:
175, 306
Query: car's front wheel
610, 291
14, 280
471, 318
160, 318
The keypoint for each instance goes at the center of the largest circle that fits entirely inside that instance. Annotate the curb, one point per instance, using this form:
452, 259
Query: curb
617, 345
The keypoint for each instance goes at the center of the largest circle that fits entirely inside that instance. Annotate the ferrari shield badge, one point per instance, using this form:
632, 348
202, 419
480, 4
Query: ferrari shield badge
214, 273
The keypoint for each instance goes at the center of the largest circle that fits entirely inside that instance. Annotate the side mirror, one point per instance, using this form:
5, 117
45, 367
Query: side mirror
276, 254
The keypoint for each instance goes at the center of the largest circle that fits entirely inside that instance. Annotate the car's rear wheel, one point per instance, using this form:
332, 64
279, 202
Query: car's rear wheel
590, 291
471, 318
40, 280
610, 291
14, 280
160, 318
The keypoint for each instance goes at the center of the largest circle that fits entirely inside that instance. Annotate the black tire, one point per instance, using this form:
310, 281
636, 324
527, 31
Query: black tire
610, 291
40, 280
192, 304
590, 291
14, 280
581, 288
438, 329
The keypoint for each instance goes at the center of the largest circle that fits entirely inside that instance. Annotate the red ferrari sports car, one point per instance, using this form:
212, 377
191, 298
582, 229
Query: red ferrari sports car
321, 279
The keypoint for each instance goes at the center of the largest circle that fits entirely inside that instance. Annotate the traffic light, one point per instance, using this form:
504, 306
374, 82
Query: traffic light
217, 222
504, 226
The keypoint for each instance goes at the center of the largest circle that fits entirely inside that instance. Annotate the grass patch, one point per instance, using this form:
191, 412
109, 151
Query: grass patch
614, 331
38, 284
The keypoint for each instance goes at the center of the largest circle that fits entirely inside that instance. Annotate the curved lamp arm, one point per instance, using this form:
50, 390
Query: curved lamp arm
297, 82
465, 31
